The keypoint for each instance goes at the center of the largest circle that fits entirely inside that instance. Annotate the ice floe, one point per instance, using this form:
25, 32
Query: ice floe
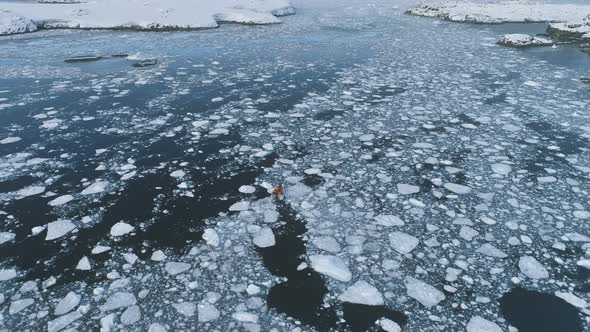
532, 268
331, 266
403, 243
121, 228
361, 292
422, 292
479, 324
59, 228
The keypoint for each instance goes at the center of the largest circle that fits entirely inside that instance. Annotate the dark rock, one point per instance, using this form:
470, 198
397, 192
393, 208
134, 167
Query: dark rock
83, 58
145, 63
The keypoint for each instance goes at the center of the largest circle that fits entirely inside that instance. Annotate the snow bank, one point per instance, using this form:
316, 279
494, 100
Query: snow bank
523, 40
139, 14
502, 12
13, 24
568, 22
572, 30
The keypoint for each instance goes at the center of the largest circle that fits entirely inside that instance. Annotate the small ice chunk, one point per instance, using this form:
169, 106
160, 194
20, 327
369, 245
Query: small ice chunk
83, 264
107, 323
185, 308
130, 257
271, 216
9, 140
201, 123
100, 249
532, 268
388, 325
6, 237
30, 191
158, 256
546, 179
178, 174
312, 171
388, 220
331, 266
264, 238
119, 300
422, 292
327, 243
468, 233
479, 324
240, 206
95, 188
131, 315
407, 189
59, 228
572, 299
245, 317
61, 200
207, 312
157, 327
582, 214
402, 242
501, 169
175, 268
366, 137
211, 237
62, 322
457, 188
37, 230
247, 189
252, 289
20, 305
67, 304
361, 292
121, 228
489, 249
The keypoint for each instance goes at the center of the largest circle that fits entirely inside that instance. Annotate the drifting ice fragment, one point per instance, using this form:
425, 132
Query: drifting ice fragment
532, 268
211, 237
59, 228
424, 293
120, 229
331, 266
361, 292
264, 238
457, 188
83, 264
67, 304
207, 312
402, 242
478, 324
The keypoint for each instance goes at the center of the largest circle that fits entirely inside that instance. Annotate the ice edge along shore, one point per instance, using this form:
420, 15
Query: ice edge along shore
159, 15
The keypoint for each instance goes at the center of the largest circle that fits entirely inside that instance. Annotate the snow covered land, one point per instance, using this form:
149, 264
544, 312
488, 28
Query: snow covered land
433, 180
523, 40
568, 22
502, 11
20, 17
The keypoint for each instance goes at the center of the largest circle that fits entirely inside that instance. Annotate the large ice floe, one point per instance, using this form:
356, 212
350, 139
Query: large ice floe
21, 17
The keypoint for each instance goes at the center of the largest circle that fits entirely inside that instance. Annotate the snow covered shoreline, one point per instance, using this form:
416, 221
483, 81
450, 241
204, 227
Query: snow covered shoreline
503, 12
523, 40
568, 22
155, 15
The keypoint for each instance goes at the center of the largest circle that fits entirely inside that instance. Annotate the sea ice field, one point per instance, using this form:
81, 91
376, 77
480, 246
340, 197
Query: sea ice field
434, 180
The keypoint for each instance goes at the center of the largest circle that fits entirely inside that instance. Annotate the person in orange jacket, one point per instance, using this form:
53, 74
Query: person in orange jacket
278, 191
